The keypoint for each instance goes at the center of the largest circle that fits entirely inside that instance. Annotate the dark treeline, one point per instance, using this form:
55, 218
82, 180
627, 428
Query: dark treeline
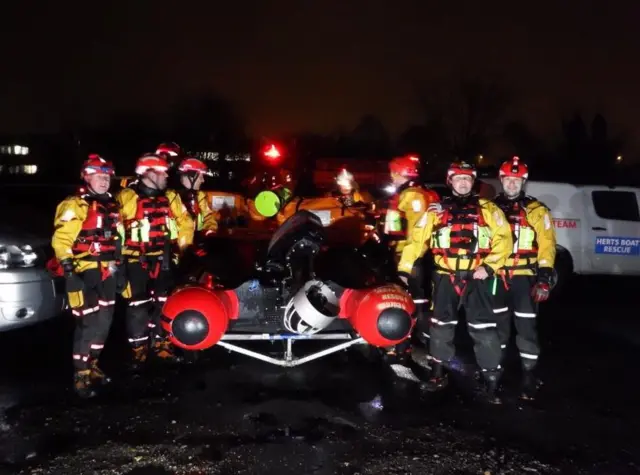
456, 120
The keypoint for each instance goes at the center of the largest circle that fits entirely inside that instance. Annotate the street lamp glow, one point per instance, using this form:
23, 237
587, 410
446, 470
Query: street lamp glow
619, 158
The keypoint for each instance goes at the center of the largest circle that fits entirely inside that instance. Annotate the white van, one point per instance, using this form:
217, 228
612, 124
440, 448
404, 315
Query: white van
597, 226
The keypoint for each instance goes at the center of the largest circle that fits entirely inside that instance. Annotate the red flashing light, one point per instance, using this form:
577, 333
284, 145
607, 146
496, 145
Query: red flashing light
272, 153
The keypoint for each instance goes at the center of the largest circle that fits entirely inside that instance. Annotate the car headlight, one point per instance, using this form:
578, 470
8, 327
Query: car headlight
12, 256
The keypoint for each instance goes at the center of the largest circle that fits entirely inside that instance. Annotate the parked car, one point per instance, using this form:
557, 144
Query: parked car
28, 293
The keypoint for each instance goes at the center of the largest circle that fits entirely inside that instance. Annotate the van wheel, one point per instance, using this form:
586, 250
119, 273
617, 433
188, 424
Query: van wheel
564, 269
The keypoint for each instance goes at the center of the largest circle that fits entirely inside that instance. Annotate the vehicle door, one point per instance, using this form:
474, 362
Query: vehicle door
613, 229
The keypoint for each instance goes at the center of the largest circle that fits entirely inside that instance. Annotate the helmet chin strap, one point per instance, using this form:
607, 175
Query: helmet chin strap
155, 184
192, 178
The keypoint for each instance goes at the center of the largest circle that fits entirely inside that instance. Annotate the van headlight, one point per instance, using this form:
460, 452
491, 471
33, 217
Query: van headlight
12, 256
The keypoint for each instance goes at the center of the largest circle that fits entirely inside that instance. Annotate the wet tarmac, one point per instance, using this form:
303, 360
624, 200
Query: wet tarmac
227, 415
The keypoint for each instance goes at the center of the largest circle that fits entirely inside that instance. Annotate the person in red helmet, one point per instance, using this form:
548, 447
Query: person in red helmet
348, 191
528, 275
470, 239
170, 151
192, 172
409, 201
87, 242
158, 228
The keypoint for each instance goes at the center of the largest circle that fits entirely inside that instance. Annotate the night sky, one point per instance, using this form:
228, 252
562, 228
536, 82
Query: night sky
294, 65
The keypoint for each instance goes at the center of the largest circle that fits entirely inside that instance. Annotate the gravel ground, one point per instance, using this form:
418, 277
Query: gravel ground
226, 415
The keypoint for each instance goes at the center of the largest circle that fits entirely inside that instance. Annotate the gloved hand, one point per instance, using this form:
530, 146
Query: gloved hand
540, 292
200, 248
542, 289
435, 207
74, 285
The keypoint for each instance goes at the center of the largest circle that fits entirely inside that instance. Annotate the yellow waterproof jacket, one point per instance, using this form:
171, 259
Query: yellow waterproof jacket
492, 242
534, 237
69, 219
181, 220
206, 220
407, 207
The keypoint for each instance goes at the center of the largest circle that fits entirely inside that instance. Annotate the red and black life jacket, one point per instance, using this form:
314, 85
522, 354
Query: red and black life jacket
461, 233
99, 239
150, 231
516, 212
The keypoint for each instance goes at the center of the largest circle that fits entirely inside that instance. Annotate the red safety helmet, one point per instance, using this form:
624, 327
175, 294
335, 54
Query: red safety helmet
96, 164
461, 168
151, 162
514, 168
407, 166
193, 165
171, 149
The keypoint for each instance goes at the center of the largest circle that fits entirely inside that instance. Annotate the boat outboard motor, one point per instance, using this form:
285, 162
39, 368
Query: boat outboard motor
301, 234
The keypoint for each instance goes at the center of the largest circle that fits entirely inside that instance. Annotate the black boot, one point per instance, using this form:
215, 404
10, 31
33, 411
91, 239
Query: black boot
529, 385
164, 350
490, 386
140, 353
82, 384
98, 377
438, 379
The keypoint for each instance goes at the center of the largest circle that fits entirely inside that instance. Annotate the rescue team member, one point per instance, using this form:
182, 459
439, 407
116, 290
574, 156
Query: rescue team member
470, 239
87, 243
409, 202
348, 191
192, 172
528, 274
170, 151
157, 228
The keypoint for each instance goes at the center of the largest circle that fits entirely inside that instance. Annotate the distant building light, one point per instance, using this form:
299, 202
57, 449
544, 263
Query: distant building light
14, 150
238, 157
208, 156
21, 169
619, 158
